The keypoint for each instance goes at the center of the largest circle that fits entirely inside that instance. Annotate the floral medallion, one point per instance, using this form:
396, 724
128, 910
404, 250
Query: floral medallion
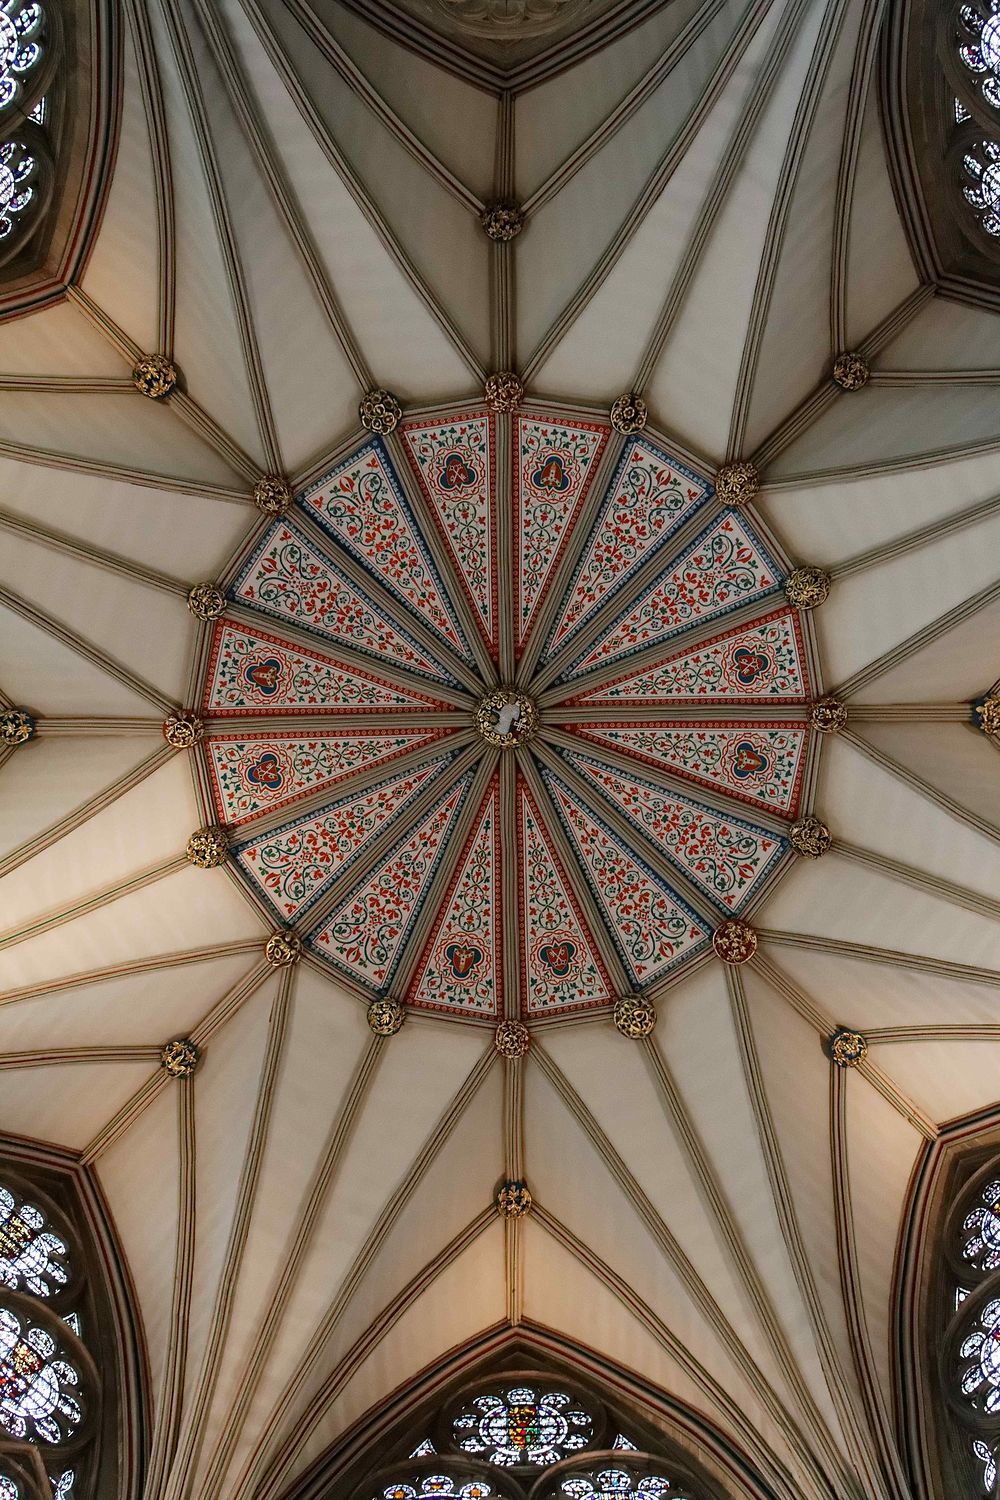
500, 753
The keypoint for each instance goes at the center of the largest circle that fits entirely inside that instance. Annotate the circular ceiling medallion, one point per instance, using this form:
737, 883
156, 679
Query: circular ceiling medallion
507, 746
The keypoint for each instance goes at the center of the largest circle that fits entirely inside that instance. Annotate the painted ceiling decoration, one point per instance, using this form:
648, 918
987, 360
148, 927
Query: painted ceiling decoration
631, 854
499, 725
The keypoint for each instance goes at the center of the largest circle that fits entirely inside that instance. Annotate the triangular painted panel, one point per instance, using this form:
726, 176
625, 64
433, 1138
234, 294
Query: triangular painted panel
287, 577
462, 965
653, 929
364, 938
553, 462
454, 463
758, 763
252, 774
561, 967
725, 856
361, 503
759, 663
251, 672
293, 865
724, 569
650, 496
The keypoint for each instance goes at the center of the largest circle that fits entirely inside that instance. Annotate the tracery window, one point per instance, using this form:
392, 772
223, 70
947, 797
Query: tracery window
49, 1390
973, 43
528, 1435
970, 1361
29, 37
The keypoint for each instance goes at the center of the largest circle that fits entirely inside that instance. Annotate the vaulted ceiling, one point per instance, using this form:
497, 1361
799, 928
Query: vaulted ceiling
293, 216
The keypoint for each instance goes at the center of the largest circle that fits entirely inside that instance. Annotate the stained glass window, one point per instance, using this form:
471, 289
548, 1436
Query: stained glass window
525, 1434
32, 1258
20, 47
37, 1384
522, 1424
977, 50
613, 1482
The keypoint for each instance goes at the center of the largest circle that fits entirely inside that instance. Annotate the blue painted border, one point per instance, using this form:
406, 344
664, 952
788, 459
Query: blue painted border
708, 491
574, 758
442, 676
355, 976
674, 563
376, 446
549, 777
238, 848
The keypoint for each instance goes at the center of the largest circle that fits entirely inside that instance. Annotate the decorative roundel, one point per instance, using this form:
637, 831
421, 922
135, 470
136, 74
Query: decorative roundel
179, 1058
735, 942
282, 950
810, 837
385, 1017
828, 716
514, 1200
208, 847
629, 414
737, 483
458, 758
850, 371
512, 1039
504, 391
380, 411
524, 1424
848, 1048
205, 601
635, 1017
272, 494
807, 587
182, 730
154, 376
502, 221
17, 726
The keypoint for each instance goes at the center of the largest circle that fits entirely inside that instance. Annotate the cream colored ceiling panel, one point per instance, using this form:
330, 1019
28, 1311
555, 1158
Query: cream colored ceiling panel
876, 283
357, 1195
698, 1042
795, 1083
67, 1102
181, 912
873, 1130
441, 234
45, 676
837, 898
128, 233
956, 668
49, 779
602, 348
427, 99
958, 759
696, 378
871, 612
861, 995
144, 1208
948, 1079
871, 809
883, 427
599, 198
555, 117
452, 1193
134, 1009
105, 850
188, 535
464, 1298
400, 338
309, 386
226, 1091
946, 335
59, 341
563, 1294
113, 431
828, 521
792, 347
148, 631
207, 341
612, 1076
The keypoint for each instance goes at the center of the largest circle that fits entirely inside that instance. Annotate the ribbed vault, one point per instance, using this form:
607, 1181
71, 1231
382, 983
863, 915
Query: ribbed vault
294, 219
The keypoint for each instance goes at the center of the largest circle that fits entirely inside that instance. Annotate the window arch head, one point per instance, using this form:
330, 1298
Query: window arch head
524, 1434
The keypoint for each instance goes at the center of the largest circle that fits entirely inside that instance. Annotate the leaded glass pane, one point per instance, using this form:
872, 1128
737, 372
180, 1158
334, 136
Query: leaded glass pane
36, 1383
32, 1258
522, 1424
